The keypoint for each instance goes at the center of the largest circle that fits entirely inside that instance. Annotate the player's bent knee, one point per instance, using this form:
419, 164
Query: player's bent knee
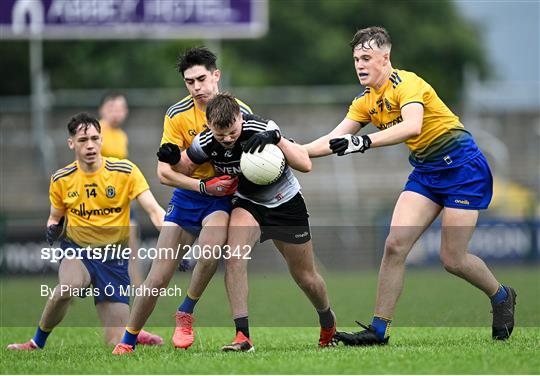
66, 290
452, 266
216, 238
306, 281
396, 247
162, 269
156, 281
235, 264
208, 263
306, 285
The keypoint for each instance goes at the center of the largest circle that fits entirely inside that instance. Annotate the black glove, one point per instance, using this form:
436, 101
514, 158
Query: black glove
169, 153
260, 140
54, 232
350, 144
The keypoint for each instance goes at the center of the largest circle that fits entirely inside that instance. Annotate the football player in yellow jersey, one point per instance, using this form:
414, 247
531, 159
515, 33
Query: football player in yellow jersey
93, 194
451, 176
200, 205
113, 111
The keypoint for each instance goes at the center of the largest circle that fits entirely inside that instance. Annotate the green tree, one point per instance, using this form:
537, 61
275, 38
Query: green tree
94, 64
308, 43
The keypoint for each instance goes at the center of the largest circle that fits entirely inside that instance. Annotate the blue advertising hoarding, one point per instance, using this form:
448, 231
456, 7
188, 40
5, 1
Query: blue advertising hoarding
494, 240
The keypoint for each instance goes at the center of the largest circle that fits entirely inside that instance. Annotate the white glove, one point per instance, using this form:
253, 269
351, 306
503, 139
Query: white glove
350, 144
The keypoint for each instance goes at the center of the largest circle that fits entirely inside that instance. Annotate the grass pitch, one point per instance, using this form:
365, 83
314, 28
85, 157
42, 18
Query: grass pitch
442, 326
284, 351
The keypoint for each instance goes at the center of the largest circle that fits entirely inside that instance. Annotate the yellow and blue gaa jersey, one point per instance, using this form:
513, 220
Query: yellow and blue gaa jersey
97, 204
183, 121
442, 133
115, 141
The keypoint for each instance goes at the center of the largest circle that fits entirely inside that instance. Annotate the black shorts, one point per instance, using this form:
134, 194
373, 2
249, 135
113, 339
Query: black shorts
287, 222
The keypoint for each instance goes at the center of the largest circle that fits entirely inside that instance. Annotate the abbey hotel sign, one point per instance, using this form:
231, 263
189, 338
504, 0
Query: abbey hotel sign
133, 19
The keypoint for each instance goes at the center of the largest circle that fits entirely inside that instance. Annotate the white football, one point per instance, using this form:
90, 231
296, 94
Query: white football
263, 168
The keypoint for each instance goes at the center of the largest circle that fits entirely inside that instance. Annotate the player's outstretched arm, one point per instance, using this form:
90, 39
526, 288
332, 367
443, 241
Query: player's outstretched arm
148, 202
320, 147
296, 155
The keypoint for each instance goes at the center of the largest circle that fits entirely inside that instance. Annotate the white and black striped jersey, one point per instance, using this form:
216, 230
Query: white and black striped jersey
227, 162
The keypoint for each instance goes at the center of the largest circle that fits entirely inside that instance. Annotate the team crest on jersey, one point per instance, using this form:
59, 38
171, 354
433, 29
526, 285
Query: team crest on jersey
228, 153
387, 104
110, 192
192, 132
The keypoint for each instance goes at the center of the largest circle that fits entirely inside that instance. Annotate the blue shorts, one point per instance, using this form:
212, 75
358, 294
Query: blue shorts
469, 186
111, 272
189, 208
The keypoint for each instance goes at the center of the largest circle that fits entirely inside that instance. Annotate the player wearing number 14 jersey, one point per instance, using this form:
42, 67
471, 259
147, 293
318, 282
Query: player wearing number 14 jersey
90, 198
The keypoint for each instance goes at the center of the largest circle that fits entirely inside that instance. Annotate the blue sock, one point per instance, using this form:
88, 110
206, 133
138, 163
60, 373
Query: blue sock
382, 326
130, 337
41, 337
188, 305
500, 296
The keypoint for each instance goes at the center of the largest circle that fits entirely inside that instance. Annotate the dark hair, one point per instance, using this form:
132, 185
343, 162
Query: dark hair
110, 96
197, 56
222, 110
376, 34
86, 120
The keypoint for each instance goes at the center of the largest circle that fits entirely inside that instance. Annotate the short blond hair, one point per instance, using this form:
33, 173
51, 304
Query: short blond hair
364, 38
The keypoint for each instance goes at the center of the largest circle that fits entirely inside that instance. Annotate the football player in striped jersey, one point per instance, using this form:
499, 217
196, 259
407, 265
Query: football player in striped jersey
276, 211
